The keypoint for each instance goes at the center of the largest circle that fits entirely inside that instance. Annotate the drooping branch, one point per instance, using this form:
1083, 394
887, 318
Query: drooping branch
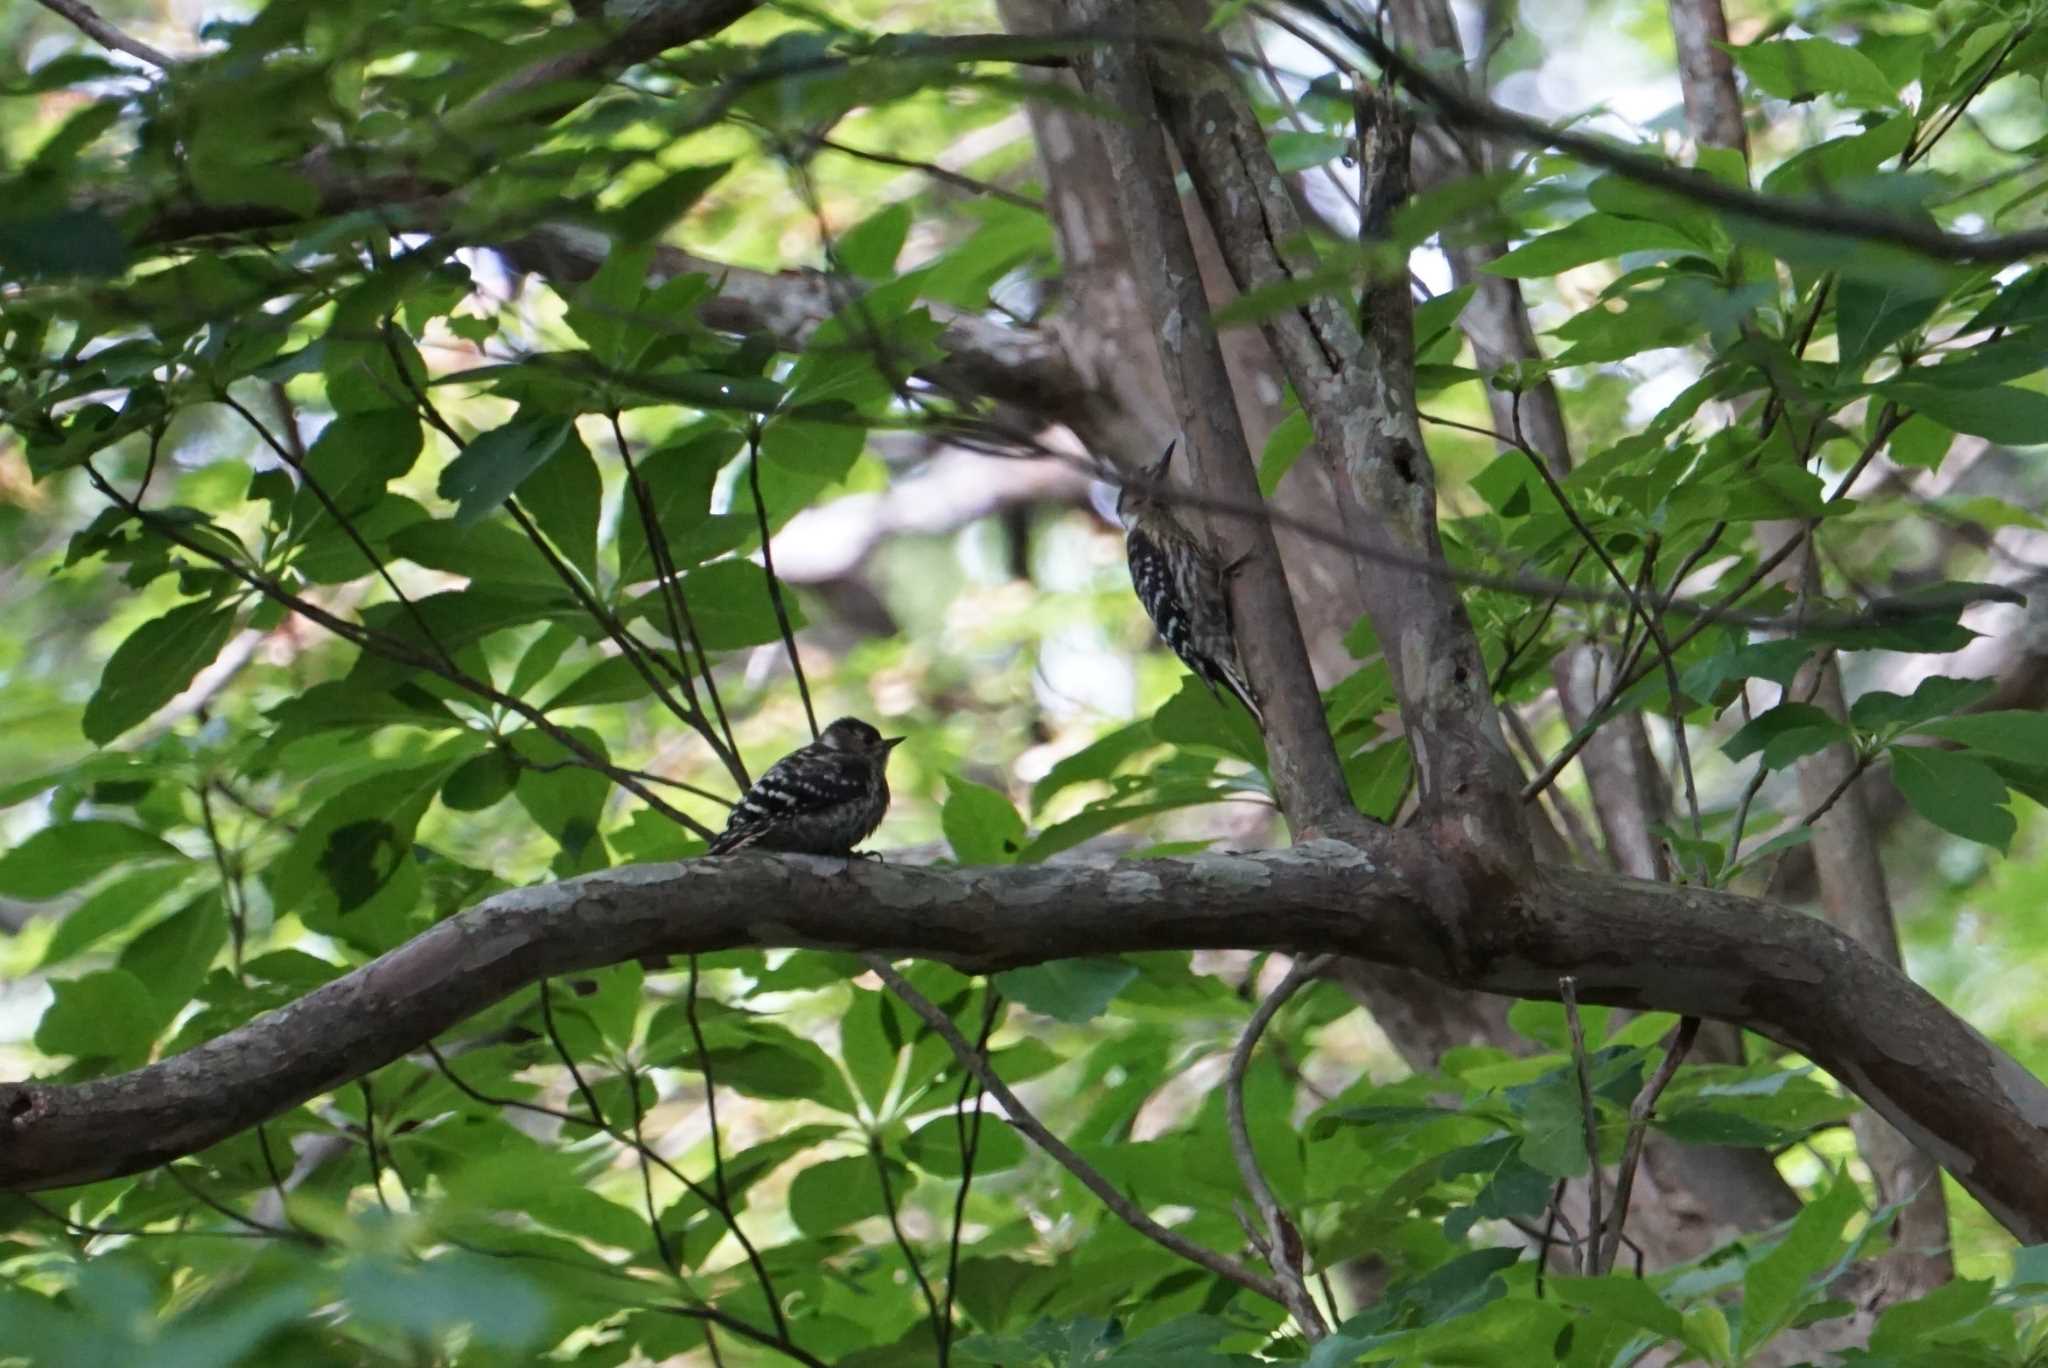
1689, 950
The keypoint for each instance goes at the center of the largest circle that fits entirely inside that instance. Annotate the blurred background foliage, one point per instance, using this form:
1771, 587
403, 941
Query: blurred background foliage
323, 296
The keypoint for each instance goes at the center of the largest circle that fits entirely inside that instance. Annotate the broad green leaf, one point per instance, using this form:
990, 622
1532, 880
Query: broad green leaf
1595, 237
154, 665
2020, 736
729, 603
1936, 696
105, 1015
1954, 792
834, 1193
564, 796
61, 857
116, 906
980, 824
563, 497
496, 463
1800, 68
869, 249
1068, 990
2004, 413
174, 955
936, 1147
1784, 734
651, 212
1776, 1286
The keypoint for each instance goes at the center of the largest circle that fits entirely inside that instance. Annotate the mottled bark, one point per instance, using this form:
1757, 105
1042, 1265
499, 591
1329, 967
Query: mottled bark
1793, 978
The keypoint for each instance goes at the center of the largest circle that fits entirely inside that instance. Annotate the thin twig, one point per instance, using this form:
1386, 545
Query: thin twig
796, 661
1676, 1046
935, 171
910, 1259
1284, 1251
1222, 1265
547, 1016
661, 1244
242, 1219
389, 648
711, 1201
370, 1143
967, 1135
1568, 990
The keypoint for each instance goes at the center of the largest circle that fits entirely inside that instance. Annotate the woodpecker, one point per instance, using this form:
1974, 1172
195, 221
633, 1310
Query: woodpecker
1181, 585
821, 799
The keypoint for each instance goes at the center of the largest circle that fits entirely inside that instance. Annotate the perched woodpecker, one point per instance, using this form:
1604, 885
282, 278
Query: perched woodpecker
821, 799
1181, 585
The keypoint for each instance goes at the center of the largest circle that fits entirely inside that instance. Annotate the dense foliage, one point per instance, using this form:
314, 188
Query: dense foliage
396, 402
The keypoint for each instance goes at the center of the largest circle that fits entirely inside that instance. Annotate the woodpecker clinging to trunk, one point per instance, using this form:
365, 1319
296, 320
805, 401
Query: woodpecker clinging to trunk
821, 799
1181, 585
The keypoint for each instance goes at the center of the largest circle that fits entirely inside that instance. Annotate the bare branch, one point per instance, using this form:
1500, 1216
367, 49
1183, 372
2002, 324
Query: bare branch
1589, 1253
1222, 1265
88, 21
1676, 1046
1282, 1240
1691, 950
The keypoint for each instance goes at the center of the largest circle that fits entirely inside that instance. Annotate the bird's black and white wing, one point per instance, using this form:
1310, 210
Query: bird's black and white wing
801, 802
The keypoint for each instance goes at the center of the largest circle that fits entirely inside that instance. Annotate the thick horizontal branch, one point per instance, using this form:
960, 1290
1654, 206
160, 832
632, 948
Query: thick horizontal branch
1633, 944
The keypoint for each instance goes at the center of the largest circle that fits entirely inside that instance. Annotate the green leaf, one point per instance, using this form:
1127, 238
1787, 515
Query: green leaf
1956, 793
1554, 1138
564, 796
1801, 68
563, 496
2003, 413
154, 665
106, 1015
833, 1194
495, 463
1776, 1286
1826, 166
1872, 314
1784, 734
1936, 696
2019, 736
1920, 443
980, 824
935, 1146
730, 604
1284, 445
1595, 237
1073, 990
1297, 151
61, 857
1629, 1300
480, 782
869, 249
648, 214
116, 906
174, 955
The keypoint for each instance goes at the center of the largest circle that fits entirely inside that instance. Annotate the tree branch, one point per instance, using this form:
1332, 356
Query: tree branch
1308, 779
1283, 1241
1689, 950
1222, 1265
88, 21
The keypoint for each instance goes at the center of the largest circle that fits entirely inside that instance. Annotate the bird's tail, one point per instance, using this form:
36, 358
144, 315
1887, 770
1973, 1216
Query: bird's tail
1232, 678
731, 839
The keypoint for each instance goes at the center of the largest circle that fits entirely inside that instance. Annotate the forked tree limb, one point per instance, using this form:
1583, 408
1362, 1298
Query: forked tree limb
1632, 944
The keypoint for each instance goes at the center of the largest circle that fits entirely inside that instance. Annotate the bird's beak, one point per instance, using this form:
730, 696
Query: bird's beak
890, 743
1158, 470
